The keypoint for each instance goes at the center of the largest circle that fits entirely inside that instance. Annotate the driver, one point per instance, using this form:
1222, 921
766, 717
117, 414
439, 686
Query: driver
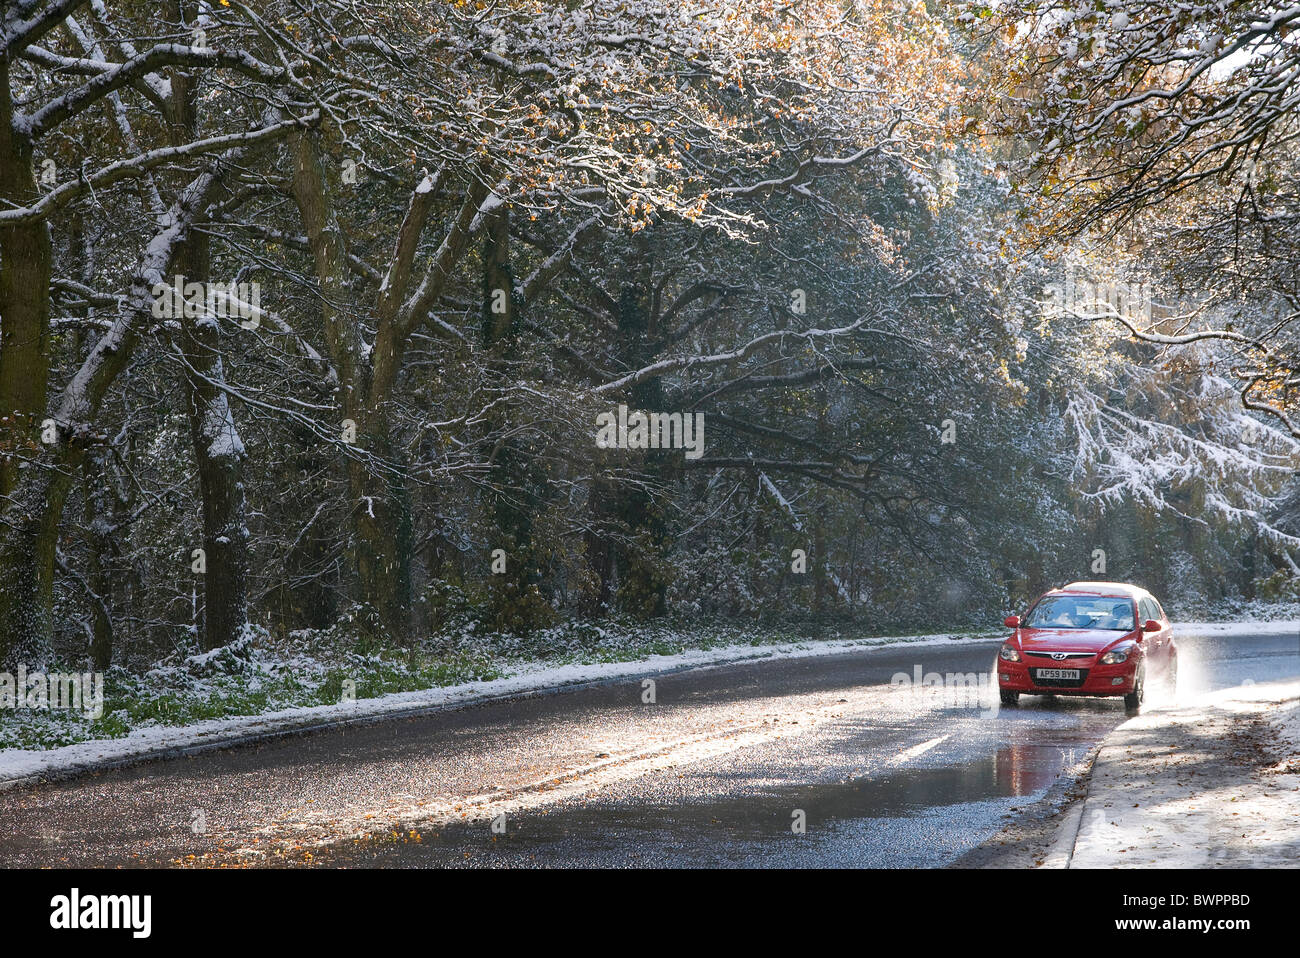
1066, 617
1122, 614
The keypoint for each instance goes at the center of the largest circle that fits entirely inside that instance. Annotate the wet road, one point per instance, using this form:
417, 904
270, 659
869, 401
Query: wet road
722, 768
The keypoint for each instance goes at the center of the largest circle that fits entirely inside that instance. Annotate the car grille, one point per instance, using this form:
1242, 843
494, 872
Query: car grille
1067, 655
1061, 683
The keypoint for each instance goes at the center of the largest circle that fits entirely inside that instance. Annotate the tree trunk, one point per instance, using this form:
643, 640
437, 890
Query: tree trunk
381, 514
27, 537
27, 541
218, 449
97, 509
384, 536
820, 563
219, 456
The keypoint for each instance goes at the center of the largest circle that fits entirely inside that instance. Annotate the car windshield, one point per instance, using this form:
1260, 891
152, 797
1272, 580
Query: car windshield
1082, 612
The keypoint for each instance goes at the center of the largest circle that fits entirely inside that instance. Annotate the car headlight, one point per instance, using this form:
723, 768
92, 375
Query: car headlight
1114, 657
1009, 653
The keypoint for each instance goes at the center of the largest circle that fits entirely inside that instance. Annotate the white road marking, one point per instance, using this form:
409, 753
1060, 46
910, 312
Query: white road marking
908, 754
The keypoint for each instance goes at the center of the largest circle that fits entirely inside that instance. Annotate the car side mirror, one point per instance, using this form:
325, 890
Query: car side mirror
1012, 622
1151, 625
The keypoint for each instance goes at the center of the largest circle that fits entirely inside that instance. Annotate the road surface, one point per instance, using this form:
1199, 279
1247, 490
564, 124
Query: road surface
720, 769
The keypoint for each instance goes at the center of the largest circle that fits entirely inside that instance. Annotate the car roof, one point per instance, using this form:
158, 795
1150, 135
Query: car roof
1105, 589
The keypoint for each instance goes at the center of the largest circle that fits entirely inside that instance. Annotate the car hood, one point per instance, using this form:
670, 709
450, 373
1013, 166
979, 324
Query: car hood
1070, 640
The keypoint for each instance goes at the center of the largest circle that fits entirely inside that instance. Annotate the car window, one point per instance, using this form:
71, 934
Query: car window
1144, 610
1160, 612
1082, 612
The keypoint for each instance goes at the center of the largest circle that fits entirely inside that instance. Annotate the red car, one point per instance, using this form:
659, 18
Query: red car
1088, 638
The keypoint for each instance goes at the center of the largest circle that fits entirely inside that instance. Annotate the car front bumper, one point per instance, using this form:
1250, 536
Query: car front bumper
1094, 679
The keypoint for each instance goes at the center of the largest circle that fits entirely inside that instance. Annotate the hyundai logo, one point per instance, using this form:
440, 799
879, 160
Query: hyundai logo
1058, 656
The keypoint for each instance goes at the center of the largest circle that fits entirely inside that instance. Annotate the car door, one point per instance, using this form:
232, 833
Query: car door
1166, 633
1147, 609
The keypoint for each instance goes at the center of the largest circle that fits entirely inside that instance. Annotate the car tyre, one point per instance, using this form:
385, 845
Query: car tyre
1133, 701
1011, 699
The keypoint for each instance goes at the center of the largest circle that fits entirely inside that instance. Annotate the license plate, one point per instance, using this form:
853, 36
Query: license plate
1058, 673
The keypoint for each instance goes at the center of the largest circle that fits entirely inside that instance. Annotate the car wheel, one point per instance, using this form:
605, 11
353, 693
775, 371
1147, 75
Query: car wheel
1011, 698
1133, 701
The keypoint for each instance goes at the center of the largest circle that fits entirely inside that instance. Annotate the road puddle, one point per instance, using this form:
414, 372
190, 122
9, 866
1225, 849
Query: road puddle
921, 815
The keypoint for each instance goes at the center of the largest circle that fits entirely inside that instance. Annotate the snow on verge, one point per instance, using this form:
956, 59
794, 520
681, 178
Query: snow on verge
1237, 628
